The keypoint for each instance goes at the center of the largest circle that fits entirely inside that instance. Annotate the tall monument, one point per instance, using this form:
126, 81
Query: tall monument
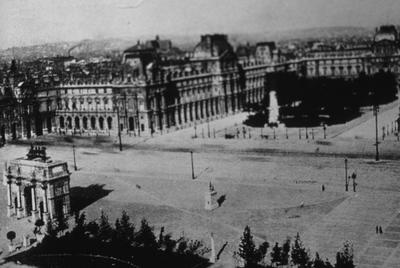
211, 198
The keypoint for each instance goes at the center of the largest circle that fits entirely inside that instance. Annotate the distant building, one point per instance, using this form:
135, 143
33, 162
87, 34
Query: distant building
37, 187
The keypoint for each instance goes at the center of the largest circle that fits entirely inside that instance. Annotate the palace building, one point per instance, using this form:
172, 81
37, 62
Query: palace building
37, 186
158, 88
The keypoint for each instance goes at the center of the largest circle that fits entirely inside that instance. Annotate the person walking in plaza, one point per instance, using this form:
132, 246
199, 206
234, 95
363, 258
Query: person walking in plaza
380, 230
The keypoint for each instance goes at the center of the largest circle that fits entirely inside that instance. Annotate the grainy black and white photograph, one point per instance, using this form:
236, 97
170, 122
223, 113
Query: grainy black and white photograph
200, 133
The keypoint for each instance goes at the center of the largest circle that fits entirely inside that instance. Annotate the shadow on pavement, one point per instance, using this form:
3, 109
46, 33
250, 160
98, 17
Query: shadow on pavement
82, 197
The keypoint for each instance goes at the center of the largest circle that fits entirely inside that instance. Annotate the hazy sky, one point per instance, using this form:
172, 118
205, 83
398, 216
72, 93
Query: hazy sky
25, 22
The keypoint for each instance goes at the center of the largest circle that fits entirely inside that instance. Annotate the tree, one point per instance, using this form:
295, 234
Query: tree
276, 254
319, 263
50, 229
285, 252
126, 229
93, 228
344, 258
262, 251
299, 254
168, 243
145, 237
39, 223
161, 237
11, 236
105, 230
62, 223
79, 229
247, 248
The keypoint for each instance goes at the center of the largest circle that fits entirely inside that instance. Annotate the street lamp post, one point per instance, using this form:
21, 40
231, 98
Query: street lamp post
345, 175
191, 158
208, 128
376, 110
73, 150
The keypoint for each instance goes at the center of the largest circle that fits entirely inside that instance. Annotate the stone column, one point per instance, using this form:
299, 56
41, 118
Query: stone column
198, 110
203, 109
192, 112
183, 113
19, 199
208, 108
9, 201
34, 207
177, 123
236, 96
45, 204
187, 110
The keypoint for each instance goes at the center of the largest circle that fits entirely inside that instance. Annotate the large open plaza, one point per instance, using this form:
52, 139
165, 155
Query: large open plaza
272, 185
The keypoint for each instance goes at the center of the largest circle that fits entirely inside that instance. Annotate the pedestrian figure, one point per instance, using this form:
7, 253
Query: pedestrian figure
377, 229
380, 230
323, 187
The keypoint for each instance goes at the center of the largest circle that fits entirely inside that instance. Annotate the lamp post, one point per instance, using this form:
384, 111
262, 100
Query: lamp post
191, 158
345, 175
208, 128
73, 150
376, 110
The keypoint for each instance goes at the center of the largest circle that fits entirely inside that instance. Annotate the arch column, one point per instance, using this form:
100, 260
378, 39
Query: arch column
45, 203
9, 195
19, 199
34, 207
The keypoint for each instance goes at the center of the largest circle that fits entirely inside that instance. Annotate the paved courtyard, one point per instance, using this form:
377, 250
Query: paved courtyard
274, 186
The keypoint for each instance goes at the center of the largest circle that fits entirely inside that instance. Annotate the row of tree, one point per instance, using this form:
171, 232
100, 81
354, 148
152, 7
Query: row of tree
142, 247
307, 101
121, 240
332, 93
289, 253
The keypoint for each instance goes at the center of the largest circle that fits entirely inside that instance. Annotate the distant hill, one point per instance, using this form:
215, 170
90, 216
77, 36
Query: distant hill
114, 46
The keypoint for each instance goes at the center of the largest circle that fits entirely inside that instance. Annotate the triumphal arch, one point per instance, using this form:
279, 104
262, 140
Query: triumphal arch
37, 186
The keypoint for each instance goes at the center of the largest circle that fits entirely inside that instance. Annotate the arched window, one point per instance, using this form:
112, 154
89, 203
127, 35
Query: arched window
101, 123
93, 122
69, 122
109, 122
85, 122
62, 123
77, 123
